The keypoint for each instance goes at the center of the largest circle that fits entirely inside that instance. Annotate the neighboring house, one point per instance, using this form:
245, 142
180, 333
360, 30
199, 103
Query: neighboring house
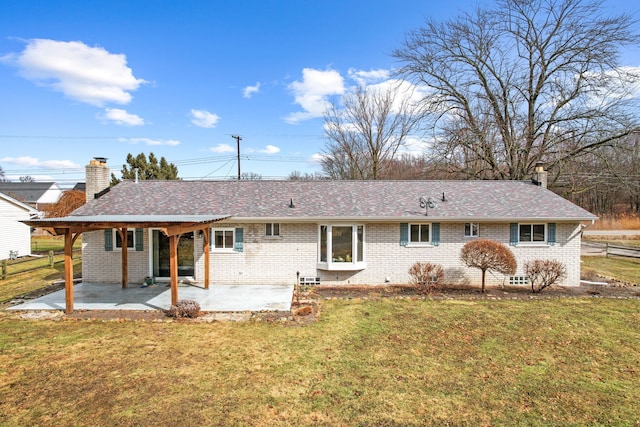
39, 195
16, 236
328, 232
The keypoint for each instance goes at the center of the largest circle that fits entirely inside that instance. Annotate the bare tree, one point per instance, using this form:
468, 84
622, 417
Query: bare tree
366, 132
250, 176
544, 273
488, 255
26, 178
522, 82
68, 202
2, 175
305, 176
606, 181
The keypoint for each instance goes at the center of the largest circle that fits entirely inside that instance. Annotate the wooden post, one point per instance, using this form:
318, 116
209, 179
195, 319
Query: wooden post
206, 257
68, 271
173, 267
125, 256
4, 269
51, 259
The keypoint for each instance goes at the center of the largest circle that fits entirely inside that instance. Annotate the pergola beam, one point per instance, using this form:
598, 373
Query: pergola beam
173, 267
68, 271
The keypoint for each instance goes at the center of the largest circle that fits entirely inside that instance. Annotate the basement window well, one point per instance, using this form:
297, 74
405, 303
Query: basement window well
341, 247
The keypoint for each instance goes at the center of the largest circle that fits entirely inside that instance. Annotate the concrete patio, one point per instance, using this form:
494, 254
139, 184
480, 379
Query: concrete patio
218, 298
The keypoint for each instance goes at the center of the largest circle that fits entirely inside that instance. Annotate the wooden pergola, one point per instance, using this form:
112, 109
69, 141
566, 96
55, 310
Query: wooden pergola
173, 226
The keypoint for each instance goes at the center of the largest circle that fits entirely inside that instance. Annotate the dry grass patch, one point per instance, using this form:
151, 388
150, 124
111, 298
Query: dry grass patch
382, 362
625, 221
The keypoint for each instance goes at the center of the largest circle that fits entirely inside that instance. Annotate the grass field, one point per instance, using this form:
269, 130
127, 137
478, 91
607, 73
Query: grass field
44, 244
556, 362
383, 362
621, 268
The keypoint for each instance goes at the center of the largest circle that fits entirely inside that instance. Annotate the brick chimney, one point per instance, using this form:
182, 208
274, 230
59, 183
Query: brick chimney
97, 178
539, 176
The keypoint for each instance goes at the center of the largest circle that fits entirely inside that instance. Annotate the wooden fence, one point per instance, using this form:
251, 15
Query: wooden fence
26, 264
606, 249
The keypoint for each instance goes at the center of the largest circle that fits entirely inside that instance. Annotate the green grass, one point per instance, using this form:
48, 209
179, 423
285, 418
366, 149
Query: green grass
44, 244
19, 282
385, 362
621, 268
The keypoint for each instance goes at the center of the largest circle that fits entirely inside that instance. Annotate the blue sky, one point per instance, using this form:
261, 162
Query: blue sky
81, 79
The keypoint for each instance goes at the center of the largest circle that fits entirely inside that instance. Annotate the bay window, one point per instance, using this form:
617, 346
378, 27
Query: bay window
341, 247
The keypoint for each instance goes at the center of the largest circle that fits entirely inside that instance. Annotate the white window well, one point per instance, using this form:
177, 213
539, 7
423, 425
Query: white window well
341, 247
471, 229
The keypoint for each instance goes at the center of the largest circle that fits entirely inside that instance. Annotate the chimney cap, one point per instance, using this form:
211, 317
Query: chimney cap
101, 159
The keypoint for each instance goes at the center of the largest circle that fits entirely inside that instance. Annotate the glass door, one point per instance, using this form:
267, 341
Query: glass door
186, 264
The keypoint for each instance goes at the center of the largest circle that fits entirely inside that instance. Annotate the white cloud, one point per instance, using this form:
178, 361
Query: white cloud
37, 163
317, 158
416, 147
270, 149
250, 90
121, 117
365, 78
223, 148
150, 141
87, 74
312, 92
405, 92
204, 119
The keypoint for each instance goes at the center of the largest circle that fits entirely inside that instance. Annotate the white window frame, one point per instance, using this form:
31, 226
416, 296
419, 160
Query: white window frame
533, 242
471, 229
354, 264
414, 243
131, 242
270, 229
225, 248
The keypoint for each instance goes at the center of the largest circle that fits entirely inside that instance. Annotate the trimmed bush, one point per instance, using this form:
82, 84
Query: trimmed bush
185, 309
488, 255
426, 274
544, 273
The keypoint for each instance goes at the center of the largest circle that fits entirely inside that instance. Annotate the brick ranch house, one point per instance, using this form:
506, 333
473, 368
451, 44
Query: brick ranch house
327, 232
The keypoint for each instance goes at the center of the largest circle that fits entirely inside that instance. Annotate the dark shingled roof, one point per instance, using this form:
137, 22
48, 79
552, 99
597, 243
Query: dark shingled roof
354, 200
27, 192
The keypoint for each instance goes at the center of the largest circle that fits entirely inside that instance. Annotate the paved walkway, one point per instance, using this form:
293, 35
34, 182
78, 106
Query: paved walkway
221, 298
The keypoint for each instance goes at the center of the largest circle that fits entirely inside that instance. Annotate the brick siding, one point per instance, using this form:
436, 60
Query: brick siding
276, 260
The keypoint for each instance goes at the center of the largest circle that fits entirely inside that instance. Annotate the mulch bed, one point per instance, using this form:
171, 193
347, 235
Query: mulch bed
473, 292
306, 306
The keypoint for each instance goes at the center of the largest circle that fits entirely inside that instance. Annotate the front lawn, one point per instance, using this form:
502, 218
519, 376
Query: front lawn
566, 361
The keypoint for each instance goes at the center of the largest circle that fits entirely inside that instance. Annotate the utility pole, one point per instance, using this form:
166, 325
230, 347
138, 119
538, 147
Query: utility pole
238, 139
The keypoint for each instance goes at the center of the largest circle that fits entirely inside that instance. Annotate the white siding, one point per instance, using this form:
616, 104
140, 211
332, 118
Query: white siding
16, 236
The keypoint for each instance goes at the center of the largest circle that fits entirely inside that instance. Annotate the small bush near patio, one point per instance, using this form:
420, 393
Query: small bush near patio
544, 273
185, 308
426, 275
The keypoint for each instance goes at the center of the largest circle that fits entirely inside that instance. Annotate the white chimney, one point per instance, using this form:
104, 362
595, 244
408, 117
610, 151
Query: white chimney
97, 178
